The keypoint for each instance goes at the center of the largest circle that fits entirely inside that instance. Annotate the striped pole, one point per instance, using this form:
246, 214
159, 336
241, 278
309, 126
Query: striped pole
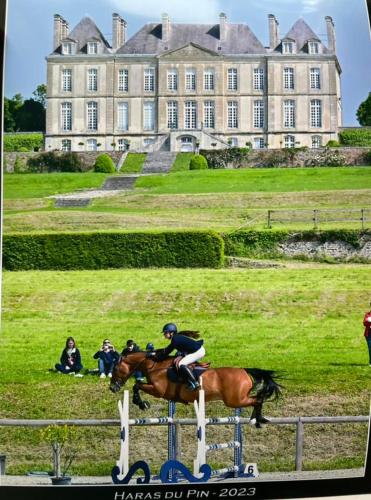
171, 437
123, 461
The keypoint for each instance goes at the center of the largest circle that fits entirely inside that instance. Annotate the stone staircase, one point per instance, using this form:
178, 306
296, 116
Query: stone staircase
120, 182
159, 162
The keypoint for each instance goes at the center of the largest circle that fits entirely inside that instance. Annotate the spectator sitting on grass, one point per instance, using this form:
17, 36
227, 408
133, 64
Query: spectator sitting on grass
107, 358
70, 359
131, 347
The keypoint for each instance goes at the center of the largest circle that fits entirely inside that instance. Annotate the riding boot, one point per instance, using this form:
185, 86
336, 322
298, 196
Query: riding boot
186, 372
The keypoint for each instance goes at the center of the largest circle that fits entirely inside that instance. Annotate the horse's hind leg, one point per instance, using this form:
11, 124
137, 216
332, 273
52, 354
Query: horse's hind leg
257, 415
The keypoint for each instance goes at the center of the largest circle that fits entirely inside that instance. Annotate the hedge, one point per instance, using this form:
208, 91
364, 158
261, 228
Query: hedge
103, 250
23, 142
355, 137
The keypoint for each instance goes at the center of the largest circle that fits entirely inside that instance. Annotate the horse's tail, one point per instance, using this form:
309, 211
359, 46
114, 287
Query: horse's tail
265, 383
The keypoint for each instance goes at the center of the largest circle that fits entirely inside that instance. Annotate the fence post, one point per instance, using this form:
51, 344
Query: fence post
299, 445
362, 219
269, 223
315, 219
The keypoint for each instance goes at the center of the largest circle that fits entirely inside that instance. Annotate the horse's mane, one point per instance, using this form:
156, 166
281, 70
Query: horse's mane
190, 333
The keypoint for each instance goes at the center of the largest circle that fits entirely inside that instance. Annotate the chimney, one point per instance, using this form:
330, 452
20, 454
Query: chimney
222, 27
61, 30
274, 38
331, 39
118, 31
165, 27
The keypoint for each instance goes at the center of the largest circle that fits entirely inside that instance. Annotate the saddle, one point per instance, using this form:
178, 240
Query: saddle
197, 369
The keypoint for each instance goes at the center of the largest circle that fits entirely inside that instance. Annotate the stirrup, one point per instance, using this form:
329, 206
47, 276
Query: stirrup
192, 386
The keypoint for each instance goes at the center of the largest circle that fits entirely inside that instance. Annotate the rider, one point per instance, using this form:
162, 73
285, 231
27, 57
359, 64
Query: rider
185, 343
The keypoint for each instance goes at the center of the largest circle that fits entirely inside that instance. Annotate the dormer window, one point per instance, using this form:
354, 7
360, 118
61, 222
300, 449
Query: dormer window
287, 47
66, 48
92, 48
313, 47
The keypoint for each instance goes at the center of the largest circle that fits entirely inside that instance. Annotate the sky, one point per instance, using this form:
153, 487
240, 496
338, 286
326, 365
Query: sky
30, 32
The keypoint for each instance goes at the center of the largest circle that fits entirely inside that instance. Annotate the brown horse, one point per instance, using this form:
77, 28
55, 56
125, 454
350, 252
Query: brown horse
236, 387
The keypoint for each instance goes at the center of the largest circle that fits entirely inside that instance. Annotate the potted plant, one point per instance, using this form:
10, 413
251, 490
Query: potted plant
63, 442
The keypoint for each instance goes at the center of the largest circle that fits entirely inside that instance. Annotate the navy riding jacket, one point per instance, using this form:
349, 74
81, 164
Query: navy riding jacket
183, 344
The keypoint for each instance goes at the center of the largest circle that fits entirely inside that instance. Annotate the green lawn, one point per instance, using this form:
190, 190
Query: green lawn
133, 163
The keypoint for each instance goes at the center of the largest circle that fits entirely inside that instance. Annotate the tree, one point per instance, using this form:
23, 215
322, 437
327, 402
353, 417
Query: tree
40, 94
11, 108
364, 112
31, 116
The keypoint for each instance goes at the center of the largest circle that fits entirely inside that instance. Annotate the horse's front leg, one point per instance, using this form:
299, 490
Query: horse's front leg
148, 389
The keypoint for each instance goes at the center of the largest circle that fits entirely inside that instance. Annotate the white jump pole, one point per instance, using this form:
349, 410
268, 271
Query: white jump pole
123, 461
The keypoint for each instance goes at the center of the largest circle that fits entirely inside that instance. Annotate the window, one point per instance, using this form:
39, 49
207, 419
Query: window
289, 113
287, 47
288, 78
66, 48
209, 79
122, 145
172, 114
316, 113
149, 115
232, 114
66, 116
313, 47
172, 79
289, 141
67, 80
92, 144
92, 48
123, 116
259, 143
315, 78
259, 114
149, 80
93, 80
66, 145
190, 115
92, 115
190, 79
233, 141
209, 114
148, 142
316, 141
232, 79
258, 79
123, 80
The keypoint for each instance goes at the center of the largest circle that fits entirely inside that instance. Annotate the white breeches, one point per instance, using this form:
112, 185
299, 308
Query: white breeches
194, 356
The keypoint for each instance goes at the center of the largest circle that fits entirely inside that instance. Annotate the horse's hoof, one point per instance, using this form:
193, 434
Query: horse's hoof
144, 405
257, 425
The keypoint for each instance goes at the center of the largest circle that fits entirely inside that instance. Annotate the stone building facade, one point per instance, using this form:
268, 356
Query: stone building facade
181, 86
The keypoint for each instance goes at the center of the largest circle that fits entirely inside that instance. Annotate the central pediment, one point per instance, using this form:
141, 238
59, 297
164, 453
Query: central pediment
189, 52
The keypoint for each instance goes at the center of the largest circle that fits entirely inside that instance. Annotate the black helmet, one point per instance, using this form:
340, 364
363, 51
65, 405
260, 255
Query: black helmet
150, 347
170, 327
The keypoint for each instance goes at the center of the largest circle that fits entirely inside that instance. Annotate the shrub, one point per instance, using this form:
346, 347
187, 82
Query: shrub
367, 157
198, 162
355, 137
23, 142
55, 162
104, 164
20, 166
66, 251
222, 158
326, 158
333, 144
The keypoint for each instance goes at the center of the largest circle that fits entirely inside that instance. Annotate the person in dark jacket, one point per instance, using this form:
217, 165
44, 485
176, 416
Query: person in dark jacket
70, 362
107, 358
367, 333
184, 342
131, 347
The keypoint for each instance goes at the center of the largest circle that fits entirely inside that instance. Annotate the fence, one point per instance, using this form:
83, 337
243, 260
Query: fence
299, 422
320, 216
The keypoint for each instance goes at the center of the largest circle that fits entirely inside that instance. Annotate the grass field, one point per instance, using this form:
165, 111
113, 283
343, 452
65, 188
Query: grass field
304, 320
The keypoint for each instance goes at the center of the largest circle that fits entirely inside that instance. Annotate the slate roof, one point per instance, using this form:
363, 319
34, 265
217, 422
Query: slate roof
301, 33
148, 40
86, 30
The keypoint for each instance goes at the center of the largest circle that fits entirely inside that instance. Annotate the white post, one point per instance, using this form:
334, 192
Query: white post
201, 433
123, 462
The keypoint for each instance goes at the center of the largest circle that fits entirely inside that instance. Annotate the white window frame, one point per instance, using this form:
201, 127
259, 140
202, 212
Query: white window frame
92, 115
315, 78
67, 80
148, 115
209, 114
122, 145
66, 145
172, 115
289, 141
289, 112
92, 80
66, 116
92, 48
172, 79
123, 115
123, 80
288, 78
209, 79
190, 115
288, 47
259, 143
313, 47
91, 145
258, 79
190, 80
232, 79
67, 49
316, 142
316, 113
232, 114
259, 113
149, 79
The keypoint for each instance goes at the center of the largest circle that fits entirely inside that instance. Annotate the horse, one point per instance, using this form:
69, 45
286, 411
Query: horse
236, 387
